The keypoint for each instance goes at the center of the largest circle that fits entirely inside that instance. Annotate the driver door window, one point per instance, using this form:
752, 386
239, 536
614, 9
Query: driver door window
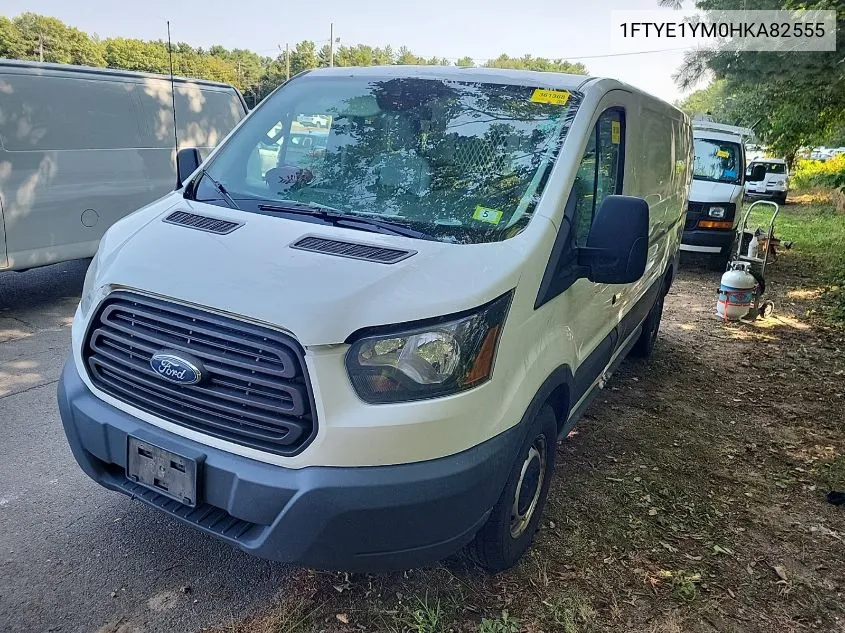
600, 172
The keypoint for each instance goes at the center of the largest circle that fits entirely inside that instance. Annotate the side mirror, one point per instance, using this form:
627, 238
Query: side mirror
187, 161
617, 247
758, 173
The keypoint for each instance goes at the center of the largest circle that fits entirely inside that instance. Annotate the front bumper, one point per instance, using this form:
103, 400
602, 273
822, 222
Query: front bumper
352, 518
768, 194
708, 241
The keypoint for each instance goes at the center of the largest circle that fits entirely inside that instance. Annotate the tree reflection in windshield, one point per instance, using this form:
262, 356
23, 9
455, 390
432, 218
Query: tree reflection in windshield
465, 162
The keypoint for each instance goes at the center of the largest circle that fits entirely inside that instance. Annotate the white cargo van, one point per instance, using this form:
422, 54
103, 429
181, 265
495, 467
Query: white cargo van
716, 191
767, 178
82, 147
362, 356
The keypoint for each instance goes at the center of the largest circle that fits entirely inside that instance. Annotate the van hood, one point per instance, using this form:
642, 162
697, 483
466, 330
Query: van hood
706, 191
319, 298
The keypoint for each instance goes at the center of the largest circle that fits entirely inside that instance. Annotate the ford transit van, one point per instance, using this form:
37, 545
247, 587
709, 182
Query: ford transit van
361, 354
716, 192
82, 147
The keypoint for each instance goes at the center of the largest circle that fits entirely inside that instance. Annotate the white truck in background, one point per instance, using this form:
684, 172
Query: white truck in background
716, 190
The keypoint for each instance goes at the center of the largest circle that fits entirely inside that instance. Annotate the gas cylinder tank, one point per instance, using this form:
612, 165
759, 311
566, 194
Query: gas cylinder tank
736, 292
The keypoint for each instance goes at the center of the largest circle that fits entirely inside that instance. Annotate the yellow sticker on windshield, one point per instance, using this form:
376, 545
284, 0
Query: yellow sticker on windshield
547, 95
615, 132
485, 214
723, 153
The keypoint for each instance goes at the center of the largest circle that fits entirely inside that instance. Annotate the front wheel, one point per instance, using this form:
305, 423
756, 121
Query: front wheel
509, 531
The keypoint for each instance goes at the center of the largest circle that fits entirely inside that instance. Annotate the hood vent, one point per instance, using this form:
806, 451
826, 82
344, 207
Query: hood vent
202, 222
352, 250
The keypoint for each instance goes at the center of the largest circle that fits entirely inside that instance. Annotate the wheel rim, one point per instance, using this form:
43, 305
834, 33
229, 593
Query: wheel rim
528, 488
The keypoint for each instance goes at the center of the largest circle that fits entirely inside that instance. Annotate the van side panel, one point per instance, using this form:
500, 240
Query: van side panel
86, 150
71, 175
204, 116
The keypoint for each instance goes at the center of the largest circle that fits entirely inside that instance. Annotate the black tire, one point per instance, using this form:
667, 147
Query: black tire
651, 326
507, 536
781, 199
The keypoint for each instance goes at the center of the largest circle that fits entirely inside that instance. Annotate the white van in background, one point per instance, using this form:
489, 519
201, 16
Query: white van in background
716, 191
361, 356
770, 181
82, 147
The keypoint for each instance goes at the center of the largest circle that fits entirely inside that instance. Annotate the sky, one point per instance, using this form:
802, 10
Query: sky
575, 30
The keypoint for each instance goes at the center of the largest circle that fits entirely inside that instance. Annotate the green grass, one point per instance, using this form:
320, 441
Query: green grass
817, 231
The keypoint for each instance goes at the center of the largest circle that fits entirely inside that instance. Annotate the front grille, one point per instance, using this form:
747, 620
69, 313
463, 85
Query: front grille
695, 209
255, 391
352, 250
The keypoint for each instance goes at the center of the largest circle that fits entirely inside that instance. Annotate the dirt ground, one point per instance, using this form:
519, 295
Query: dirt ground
690, 498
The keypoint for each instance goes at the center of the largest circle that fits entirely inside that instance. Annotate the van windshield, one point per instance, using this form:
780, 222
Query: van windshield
461, 162
771, 168
717, 161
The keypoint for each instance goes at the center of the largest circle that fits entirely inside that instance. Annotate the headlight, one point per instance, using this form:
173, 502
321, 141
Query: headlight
716, 212
428, 361
89, 284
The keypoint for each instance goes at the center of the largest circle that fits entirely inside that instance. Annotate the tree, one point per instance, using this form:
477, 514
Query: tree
139, 55
790, 98
407, 58
465, 61
12, 45
304, 57
527, 62
51, 40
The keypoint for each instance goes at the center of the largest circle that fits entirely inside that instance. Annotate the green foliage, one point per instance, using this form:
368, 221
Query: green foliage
714, 99
790, 98
817, 231
816, 173
527, 62
12, 45
34, 37
504, 624
427, 617
57, 42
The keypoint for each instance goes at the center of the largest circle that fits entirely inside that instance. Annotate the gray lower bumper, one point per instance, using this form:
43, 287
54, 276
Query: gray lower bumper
356, 519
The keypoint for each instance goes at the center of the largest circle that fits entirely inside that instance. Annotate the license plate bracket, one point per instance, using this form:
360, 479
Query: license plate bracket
165, 472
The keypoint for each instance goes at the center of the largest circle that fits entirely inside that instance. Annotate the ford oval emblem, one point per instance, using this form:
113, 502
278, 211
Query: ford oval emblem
177, 367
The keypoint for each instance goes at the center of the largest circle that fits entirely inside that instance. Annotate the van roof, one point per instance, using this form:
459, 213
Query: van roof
712, 126
563, 81
716, 136
27, 67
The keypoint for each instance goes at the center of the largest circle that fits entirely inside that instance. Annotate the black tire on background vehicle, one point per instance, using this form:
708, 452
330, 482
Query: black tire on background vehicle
651, 326
781, 199
509, 531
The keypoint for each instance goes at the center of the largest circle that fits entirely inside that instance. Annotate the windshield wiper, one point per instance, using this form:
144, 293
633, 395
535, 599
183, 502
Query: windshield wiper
220, 189
339, 218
